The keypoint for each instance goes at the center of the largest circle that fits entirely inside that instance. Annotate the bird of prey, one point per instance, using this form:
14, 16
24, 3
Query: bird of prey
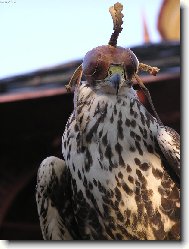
119, 179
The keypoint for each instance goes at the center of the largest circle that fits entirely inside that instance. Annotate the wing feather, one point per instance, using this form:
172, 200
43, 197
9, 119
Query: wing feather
53, 196
169, 142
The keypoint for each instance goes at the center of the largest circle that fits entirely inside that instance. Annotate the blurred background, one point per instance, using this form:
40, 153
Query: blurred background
41, 44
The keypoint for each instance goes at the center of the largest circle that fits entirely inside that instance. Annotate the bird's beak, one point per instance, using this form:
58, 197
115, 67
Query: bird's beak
116, 76
115, 80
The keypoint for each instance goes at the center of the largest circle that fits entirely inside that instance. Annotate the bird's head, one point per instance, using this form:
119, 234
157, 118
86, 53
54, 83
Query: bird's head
110, 64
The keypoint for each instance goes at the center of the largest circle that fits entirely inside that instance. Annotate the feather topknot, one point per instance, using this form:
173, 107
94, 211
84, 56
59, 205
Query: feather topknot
117, 17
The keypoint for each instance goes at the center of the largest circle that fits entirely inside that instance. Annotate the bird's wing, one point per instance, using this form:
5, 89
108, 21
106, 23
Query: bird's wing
169, 142
53, 196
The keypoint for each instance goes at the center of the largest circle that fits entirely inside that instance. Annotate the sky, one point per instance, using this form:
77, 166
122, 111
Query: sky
42, 33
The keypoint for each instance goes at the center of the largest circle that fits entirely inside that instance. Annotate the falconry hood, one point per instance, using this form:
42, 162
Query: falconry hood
103, 61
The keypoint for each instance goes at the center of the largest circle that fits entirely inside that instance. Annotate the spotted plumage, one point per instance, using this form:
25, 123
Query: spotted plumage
115, 192
120, 176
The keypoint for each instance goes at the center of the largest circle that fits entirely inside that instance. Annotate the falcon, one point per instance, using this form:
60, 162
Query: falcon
119, 179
